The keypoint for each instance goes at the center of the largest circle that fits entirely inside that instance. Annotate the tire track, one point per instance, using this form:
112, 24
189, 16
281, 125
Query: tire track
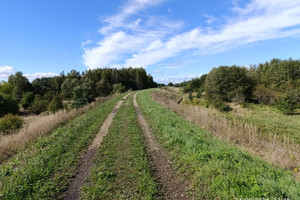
86, 163
172, 187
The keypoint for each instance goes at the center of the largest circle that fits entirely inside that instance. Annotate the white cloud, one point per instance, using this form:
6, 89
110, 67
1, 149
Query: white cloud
179, 79
259, 20
5, 72
31, 77
124, 36
87, 42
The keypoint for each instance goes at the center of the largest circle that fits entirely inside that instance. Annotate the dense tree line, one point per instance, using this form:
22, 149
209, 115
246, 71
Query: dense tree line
48, 93
276, 82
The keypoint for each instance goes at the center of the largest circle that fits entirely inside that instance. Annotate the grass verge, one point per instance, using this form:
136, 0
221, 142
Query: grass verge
43, 170
214, 168
122, 169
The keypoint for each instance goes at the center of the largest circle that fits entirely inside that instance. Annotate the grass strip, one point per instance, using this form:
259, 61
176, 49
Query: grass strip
214, 168
44, 170
122, 169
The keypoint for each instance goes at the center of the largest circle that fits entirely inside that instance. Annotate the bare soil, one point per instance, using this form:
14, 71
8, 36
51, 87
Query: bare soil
172, 186
86, 163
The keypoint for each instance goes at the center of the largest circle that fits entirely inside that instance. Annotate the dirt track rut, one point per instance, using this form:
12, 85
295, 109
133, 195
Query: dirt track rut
86, 163
172, 187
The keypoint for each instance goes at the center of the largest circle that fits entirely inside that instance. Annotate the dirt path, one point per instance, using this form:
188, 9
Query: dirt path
172, 187
86, 163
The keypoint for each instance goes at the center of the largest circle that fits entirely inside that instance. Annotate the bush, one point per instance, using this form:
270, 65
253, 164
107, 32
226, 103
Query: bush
287, 105
39, 105
82, 95
8, 104
263, 94
27, 99
10, 123
119, 88
221, 106
56, 104
225, 83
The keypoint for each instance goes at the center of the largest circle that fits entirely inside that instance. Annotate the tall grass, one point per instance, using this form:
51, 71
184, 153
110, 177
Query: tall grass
283, 153
38, 127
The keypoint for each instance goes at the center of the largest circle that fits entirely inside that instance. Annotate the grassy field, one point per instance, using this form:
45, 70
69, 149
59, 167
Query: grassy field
270, 120
215, 169
122, 169
43, 170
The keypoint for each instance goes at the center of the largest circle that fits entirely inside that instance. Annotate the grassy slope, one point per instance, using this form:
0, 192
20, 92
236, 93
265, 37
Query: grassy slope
214, 168
122, 168
270, 120
43, 170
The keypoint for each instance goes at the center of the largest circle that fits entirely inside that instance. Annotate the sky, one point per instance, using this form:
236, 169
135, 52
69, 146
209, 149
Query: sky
174, 40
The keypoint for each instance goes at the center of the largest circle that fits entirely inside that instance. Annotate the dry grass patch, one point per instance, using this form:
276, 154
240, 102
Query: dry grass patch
283, 153
38, 126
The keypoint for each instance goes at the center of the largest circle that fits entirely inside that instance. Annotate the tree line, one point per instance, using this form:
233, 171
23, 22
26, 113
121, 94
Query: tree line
275, 83
47, 93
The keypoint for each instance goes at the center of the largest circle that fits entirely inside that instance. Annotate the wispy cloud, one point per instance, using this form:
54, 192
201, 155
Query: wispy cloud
259, 20
125, 35
31, 77
178, 79
5, 72
135, 40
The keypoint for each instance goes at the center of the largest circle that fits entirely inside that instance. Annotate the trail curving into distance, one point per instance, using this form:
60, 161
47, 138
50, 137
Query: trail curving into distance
172, 187
86, 163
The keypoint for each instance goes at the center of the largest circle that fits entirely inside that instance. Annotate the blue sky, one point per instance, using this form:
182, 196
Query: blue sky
174, 40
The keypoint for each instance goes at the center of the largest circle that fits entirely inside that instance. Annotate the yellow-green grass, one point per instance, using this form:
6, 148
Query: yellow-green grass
122, 168
43, 170
214, 168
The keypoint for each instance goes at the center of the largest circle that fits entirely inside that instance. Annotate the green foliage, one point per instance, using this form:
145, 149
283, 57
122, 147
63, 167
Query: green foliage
56, 104
6, 88
39, 105
225, 83
104, 87
195, 85
119, 88
287, 105
264, 95
122, 168
10, 123
215, 169
20, 85
27, 99
45, 169
68, 86
223, 107
170, 84
8, 104
82, 95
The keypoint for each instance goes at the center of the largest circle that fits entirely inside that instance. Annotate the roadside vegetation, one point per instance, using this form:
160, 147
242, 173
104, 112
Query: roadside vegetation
43, 170
122, 168
275, 83
215, 168
250, 129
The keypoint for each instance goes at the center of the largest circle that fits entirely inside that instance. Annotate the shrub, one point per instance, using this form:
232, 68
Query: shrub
8, 104
10, 123
119, 88
39, 105
287, 105
263, 94
56, 104
223, 107
27, 99
82, 95
225, 83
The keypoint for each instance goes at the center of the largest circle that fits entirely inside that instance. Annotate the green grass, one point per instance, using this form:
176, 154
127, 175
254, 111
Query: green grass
214, 168
270, 120
122, 169
44, 169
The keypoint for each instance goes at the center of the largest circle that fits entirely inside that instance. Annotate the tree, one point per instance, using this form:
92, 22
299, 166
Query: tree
8, 104
225, 83
82, 95
170, 84
56, 104
20, 85
27, 99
